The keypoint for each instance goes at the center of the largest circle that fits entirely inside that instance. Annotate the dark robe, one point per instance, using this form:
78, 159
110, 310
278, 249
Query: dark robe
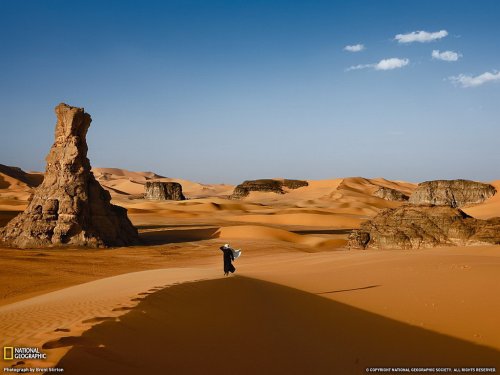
228, 258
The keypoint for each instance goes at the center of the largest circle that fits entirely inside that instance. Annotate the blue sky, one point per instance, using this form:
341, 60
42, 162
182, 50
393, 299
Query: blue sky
222, 91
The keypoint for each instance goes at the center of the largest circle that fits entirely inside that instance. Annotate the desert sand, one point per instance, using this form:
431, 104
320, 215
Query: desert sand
300, 301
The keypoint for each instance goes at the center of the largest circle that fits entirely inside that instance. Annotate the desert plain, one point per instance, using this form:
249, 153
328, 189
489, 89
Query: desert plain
300, 302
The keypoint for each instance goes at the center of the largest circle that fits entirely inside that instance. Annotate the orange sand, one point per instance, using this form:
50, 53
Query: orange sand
300, 303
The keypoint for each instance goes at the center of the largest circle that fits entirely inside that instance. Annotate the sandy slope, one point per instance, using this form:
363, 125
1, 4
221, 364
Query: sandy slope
447, 290
254, 327
489, 208
359, 308
262, 233
16, 186
39, 321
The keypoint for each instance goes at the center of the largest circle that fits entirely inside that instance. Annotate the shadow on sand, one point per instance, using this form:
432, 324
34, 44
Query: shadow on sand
323, 231
239, 325
350, 290
162, 237
6, 216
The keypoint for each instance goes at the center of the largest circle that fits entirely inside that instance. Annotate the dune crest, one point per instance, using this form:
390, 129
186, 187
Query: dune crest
262, 233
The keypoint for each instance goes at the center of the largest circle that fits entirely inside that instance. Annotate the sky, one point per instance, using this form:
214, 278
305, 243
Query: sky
225, 91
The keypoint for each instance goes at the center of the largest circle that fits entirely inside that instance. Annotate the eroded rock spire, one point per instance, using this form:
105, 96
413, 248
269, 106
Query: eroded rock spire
70, 207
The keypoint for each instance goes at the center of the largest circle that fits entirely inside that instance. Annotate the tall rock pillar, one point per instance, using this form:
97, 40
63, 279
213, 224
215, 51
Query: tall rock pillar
70, 207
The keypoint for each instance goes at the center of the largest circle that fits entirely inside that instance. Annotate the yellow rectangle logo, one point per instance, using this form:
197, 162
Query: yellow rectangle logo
8, 353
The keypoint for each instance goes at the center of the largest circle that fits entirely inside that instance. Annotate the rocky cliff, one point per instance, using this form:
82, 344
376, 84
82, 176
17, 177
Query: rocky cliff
163, 191
390, 194
294, 184
266, 185
70, 207
413, 227
453, 193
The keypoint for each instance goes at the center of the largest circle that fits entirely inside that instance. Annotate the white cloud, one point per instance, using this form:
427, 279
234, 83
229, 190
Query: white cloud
445, 55
420, 36
470, 81
386, 64
393, 63
360, 66
354, 48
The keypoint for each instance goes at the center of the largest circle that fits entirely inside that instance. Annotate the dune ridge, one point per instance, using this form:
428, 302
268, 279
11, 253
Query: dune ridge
70, 311
263, 233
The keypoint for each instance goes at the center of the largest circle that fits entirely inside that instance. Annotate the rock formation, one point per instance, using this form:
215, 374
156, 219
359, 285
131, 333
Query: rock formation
266, 185
453, 193
413, 227
390, 194
163, 191
70, 207
294, 184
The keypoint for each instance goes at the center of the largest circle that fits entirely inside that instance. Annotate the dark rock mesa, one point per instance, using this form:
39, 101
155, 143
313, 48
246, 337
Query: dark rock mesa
163, 191
70, 207
266, 185
453, 193
413, 227
390, 194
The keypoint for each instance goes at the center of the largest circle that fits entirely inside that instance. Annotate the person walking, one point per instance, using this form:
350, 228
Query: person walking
228, 255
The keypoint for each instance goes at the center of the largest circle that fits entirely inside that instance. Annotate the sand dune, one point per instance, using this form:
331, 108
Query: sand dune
14, 195
17, 175
125, 186
262, 233
448, 290
122, 181
324, 220
246, 326
16, 185
386, 300
334, 188
488, 209
365, 185
42, 320
111, 173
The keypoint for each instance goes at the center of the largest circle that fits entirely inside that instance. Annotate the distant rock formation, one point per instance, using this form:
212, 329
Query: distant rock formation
266, 185
294, 184
70, 207
453, 193
413, 227
390, 194
163, 191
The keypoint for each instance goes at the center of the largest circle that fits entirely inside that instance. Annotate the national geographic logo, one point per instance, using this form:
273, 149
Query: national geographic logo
10, 353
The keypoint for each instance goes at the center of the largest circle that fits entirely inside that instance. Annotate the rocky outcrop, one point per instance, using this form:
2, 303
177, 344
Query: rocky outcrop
390, 194
266, 185
70, 207
163, 191
294, 184
453, 193
413, 227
